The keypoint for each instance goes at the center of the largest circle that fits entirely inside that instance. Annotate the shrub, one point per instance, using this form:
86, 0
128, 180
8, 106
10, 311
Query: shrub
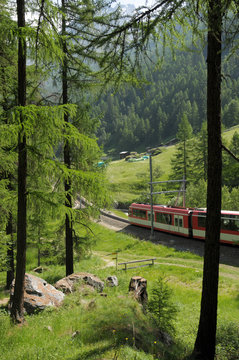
161, 306
227, 347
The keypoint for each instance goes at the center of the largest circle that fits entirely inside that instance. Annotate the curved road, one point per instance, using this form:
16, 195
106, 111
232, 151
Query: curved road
229, 255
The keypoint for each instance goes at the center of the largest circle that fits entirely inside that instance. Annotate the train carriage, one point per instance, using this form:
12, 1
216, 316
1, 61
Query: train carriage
184, 221
229, 226
167, 219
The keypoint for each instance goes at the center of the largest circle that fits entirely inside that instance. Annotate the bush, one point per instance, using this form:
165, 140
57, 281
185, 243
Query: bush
227, 347
161, 306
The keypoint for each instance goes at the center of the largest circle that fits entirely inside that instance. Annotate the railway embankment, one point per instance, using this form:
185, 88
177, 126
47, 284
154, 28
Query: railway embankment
229, 255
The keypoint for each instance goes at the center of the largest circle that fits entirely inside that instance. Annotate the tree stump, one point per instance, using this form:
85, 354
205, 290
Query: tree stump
138, 286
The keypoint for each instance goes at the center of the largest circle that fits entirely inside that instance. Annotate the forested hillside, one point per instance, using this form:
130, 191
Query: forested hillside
148, 115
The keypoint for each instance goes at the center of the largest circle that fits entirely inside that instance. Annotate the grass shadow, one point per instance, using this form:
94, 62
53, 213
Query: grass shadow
93, 353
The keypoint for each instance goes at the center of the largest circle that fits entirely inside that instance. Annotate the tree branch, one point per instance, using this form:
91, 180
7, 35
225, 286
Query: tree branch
230, 153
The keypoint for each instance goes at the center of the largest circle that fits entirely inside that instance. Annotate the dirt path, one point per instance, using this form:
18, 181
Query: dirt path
4, 301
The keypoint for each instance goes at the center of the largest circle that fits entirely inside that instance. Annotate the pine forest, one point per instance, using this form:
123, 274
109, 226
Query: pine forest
102, 105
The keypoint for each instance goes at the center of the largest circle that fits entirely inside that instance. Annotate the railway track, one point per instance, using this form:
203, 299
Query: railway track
229, 255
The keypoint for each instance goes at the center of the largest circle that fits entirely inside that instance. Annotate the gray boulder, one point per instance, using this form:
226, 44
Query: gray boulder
38, 294
68, 283
112, 281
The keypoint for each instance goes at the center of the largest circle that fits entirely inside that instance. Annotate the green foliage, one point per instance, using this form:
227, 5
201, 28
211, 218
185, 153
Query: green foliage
231, 113
230, 165
123, 175
196, 195
227, 347
184, 129
180, 162
199, 155
149, 116
3, 253
161, 306
72, 331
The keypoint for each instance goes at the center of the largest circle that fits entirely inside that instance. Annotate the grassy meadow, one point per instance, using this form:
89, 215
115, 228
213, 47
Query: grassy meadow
114, 327
126, 177
90, 326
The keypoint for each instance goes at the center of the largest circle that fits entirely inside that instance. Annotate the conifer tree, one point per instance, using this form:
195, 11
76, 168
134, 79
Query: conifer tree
204, 348
67, 155
79, 73
17, 304
7, 152
230, 165
199, 155
181, 161
24, 118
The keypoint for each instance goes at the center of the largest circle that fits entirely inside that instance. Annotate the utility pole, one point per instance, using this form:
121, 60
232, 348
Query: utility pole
151, 197
184, 191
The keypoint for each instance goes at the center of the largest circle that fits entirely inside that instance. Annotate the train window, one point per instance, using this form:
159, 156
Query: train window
176, 221
164, 218
180, 222
201, 221
230, 222
139, 213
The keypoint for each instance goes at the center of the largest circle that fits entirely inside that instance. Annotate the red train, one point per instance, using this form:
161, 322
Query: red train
184, 221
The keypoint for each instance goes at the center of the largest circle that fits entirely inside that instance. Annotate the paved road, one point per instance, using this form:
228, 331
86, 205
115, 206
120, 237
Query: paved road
229, 254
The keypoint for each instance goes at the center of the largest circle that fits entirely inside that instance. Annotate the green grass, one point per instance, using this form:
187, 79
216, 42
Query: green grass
94, 327
126, 178
120, 213
90, 327
228, 134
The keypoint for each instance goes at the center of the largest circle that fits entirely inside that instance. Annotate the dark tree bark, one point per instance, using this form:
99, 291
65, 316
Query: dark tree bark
9, 228
10, 253
39, 249
206, 337
67, 157
17, 304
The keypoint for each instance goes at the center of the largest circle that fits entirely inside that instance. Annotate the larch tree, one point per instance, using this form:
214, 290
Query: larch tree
24, 119
181, 161
199, 155
80, 71
17, 304
204, 348
7, 151
35, 131
67, 155
230, 166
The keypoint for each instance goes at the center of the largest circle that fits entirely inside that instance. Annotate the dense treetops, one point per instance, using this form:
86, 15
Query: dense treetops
137, 117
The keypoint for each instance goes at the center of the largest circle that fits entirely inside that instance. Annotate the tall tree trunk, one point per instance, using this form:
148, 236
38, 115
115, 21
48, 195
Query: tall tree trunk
67, 156
10, 254
10, 245
17, 304
206, 338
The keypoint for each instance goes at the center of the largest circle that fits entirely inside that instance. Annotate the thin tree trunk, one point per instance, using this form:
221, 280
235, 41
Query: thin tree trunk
67, 157
185, 161
206, 338
17, 304
39, 248
10, 254
205, 160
